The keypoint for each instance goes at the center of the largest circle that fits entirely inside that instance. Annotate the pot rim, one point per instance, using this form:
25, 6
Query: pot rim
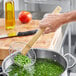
38, 49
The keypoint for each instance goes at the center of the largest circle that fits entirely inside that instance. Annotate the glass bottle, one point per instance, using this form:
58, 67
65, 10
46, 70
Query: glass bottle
9, 15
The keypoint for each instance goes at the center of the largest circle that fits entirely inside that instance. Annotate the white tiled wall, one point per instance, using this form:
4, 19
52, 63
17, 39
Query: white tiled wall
65, 4
1, 7
47, 5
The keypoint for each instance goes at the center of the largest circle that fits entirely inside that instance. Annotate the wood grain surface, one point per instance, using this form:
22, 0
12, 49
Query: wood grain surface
43, 42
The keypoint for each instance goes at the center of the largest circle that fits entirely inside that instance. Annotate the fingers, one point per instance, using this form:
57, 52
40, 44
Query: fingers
51, 22
46, 15
47, 30
44, 23
52, 14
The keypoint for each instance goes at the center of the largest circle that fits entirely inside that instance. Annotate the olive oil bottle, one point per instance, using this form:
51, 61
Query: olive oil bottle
9, 15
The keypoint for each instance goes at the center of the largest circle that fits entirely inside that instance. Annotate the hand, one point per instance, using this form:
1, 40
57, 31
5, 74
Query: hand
51, 22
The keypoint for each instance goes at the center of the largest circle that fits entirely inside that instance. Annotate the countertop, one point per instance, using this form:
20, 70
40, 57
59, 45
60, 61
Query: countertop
43, 42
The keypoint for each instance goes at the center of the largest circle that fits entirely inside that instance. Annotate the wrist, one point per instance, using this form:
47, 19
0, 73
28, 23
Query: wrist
66, 17
69, 17
72, 16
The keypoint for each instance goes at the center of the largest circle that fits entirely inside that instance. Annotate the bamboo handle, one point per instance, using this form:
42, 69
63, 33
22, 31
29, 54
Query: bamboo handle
37, 35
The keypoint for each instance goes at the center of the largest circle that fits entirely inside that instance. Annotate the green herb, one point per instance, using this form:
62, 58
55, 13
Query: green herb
46, 67
42, 67
17, 71
22, 60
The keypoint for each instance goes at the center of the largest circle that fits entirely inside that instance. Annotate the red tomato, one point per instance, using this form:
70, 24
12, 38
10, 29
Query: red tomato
25, 16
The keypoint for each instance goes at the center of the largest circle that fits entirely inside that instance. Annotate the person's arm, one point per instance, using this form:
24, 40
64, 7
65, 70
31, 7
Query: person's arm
71, 16
51, 22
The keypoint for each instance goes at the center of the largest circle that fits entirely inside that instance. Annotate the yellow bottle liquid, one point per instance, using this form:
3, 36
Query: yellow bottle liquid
9, 15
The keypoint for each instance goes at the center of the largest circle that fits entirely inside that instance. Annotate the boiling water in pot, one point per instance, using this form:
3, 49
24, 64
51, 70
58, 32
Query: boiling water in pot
42, 67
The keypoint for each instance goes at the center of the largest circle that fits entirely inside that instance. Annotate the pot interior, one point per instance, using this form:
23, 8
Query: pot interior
40, 53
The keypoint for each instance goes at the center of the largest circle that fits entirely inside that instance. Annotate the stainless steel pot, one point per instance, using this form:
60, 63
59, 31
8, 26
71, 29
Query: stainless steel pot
43, 53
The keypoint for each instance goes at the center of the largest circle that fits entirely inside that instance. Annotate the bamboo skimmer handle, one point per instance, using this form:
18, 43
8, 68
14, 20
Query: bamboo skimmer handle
37, 35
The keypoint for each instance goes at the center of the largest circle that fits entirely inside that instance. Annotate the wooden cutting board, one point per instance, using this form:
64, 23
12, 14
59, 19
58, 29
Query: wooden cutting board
43, 42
